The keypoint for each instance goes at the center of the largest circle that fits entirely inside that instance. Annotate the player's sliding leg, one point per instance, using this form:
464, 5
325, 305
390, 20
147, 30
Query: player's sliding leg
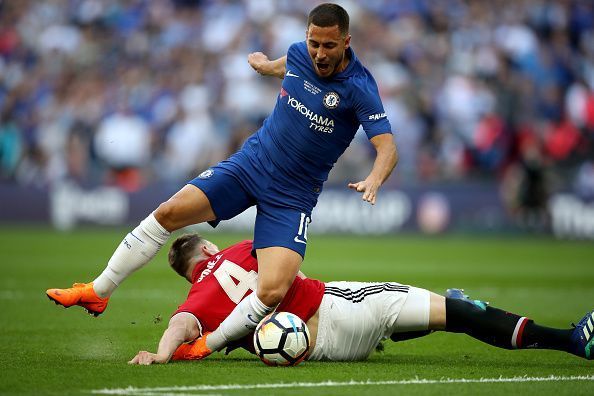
188, 206
503, 329
277, 268
507, 330
450, 293
414, 319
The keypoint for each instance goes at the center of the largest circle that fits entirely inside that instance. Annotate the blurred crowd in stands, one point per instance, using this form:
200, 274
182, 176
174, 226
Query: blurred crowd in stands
131, 92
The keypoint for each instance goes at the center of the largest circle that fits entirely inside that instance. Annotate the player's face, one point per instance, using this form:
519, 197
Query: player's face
326, 47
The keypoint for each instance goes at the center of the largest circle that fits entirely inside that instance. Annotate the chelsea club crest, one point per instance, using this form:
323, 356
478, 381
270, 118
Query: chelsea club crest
331, 100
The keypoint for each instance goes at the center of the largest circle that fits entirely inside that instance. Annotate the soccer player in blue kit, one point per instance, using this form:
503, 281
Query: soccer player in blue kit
326, 94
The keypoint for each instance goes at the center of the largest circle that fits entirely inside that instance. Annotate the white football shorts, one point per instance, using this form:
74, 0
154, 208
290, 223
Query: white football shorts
356, 316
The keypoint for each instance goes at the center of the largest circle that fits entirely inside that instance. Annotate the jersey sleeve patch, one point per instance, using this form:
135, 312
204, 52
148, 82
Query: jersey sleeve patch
369, 108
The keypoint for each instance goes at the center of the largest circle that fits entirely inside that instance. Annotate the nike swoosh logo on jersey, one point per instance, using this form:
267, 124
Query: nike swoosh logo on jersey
289, 74
300, 241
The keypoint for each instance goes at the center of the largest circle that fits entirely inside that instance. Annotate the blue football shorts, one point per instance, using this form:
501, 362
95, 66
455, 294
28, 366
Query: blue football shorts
283, 205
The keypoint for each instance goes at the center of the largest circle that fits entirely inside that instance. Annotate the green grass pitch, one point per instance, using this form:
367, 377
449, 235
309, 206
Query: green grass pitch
45, 349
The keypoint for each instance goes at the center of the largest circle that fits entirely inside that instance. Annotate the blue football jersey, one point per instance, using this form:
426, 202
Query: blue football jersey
315, 119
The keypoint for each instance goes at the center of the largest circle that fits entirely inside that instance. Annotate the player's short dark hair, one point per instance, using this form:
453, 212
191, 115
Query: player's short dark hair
329, 14
180, 252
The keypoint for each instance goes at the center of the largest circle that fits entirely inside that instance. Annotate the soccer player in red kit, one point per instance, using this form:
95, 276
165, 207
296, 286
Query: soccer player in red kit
346, 319
221, 282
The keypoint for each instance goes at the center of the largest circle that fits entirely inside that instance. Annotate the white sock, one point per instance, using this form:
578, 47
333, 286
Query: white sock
242, 320
137, 249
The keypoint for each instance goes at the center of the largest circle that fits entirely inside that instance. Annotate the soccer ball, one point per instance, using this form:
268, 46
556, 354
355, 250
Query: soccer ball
281, 339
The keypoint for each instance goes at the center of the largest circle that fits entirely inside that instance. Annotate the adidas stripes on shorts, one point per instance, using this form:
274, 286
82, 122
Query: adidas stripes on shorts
356, 316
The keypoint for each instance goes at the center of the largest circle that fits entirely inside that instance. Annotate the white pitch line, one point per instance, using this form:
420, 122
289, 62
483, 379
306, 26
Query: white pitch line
176, 390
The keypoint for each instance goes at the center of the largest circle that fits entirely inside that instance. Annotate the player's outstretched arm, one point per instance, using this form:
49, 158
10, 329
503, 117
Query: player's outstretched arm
260, 63
385, 161
182, 328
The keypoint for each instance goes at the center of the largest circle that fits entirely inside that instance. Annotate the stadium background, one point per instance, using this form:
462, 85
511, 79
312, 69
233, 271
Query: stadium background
492, 105
108, 107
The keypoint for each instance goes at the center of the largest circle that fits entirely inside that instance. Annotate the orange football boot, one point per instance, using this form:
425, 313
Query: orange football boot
81, 294
195, 350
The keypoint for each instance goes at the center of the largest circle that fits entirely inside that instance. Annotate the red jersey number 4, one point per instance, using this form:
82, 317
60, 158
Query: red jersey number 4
236, 281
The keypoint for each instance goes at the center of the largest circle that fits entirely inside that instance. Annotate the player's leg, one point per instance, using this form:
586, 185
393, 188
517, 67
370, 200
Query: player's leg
415, 316
214, 191
277, 268
354, 317
505, 329
188, 206
280, 241
436, 314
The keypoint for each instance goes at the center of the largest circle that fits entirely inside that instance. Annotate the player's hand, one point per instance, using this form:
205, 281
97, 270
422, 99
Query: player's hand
369, 189
258, 62
145, 358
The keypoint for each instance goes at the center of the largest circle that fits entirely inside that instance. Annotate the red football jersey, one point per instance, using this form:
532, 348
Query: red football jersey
222, 281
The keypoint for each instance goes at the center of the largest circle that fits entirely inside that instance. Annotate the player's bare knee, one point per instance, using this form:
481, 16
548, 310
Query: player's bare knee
271, 297
165, 215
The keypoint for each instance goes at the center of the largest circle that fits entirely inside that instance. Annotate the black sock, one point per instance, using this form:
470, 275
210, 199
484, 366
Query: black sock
541, 337
502, 329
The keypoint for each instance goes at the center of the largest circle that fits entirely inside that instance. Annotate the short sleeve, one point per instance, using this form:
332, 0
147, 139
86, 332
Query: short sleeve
293, 50
178, 312
191, 306
297, 57
369, 108
195, 303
